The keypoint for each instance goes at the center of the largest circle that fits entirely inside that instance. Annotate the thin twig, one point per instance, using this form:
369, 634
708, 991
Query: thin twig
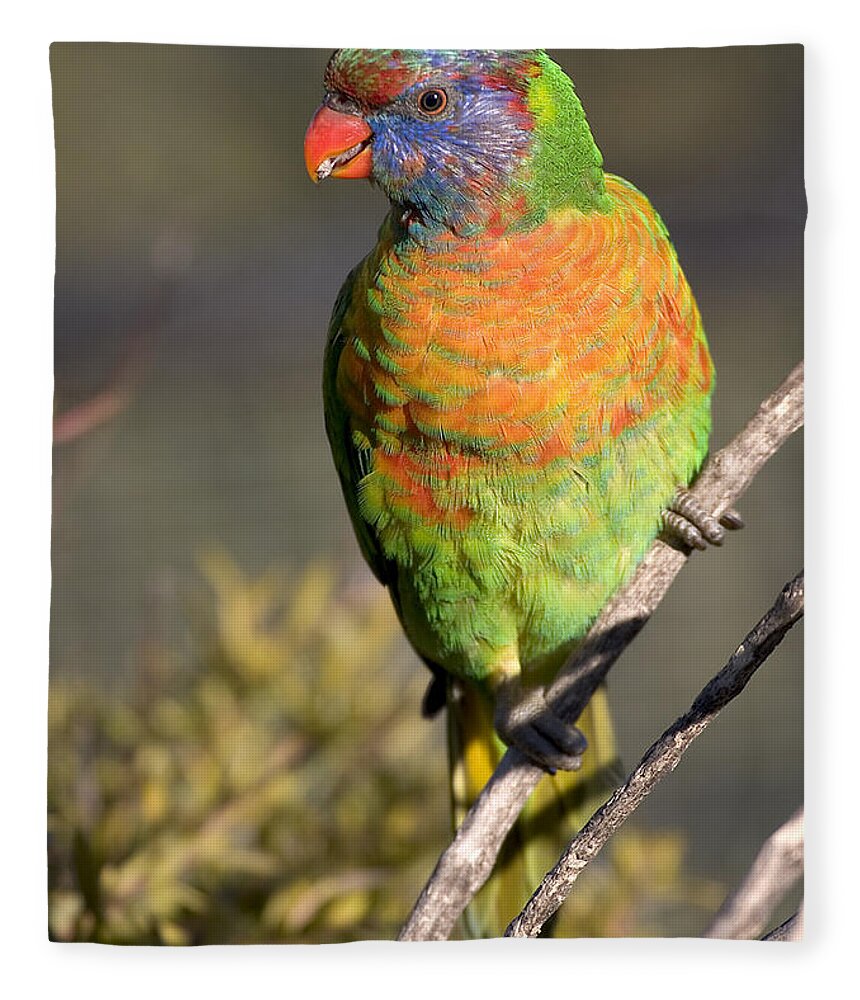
135, 357
660, 760
790, 930
778, 865
467, 862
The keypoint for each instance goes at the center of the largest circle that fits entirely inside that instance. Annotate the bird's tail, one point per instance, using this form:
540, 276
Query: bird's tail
558, 807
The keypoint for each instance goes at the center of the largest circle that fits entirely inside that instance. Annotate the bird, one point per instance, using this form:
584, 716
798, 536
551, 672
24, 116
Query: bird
517, 395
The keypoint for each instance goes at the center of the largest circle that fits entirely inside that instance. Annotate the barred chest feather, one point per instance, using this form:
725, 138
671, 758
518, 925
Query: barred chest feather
524, 407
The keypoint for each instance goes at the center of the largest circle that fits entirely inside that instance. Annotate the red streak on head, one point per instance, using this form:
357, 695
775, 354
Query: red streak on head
371, 83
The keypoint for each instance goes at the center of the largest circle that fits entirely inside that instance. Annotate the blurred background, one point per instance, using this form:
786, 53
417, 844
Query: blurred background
235, 750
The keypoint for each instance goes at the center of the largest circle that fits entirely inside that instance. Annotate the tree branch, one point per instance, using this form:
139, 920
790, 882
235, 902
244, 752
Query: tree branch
661, 759
467, 862
778, 865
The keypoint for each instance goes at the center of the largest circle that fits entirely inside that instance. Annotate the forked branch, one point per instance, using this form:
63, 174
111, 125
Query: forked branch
746, 915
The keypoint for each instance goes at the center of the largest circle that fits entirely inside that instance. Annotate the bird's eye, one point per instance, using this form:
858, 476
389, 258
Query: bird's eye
433, 102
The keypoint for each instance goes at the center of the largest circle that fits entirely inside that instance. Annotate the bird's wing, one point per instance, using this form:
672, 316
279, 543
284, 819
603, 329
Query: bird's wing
351, 460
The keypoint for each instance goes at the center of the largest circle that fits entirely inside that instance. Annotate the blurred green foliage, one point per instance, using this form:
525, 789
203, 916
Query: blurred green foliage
275, 782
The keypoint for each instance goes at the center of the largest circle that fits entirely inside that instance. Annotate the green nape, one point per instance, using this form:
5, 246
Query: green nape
567, 166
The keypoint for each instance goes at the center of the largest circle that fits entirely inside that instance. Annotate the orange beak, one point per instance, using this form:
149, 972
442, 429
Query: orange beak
337, 145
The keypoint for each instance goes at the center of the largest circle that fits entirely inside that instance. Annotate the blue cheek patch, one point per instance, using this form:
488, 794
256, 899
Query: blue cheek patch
454, 170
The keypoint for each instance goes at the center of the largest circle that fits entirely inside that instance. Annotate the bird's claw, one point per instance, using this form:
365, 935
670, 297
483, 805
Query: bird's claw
525, 721
688, 522
732, 520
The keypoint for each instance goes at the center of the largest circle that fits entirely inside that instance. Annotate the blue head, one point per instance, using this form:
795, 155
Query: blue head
459, 140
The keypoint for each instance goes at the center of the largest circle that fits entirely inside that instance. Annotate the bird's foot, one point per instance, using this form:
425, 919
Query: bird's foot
525, 721
686, 521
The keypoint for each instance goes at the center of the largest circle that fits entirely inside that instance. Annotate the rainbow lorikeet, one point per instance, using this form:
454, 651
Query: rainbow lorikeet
517, 384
